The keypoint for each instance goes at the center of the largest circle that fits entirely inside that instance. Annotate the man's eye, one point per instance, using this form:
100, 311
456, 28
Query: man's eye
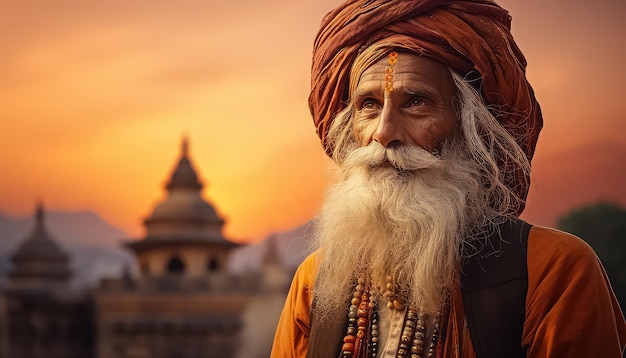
369, 104
417, 101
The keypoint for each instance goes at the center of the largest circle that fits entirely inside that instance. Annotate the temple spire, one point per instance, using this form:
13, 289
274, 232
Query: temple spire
185, 146
184, 175
39, 214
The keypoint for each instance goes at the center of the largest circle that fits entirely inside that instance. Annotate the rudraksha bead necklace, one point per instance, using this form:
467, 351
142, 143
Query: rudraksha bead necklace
363, 314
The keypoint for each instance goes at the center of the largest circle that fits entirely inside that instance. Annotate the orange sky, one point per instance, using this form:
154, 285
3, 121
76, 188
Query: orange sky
95, 97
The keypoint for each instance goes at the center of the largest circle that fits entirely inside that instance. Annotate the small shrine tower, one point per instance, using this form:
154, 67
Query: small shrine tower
39, 263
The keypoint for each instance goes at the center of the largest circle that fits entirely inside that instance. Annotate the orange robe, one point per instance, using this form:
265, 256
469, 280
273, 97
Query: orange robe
571, 310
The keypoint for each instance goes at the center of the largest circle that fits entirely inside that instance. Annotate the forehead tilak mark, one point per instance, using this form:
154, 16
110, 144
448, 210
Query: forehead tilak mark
391, 60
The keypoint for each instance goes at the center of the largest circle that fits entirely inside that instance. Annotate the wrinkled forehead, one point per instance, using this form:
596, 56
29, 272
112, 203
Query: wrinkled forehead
374, 59
376, 64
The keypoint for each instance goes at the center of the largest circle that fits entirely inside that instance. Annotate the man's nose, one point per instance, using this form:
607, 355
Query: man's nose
390, 131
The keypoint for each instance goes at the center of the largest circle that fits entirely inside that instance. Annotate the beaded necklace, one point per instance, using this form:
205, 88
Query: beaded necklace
359, 342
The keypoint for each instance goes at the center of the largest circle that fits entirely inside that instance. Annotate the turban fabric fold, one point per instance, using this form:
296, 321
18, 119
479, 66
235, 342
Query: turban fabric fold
467, 36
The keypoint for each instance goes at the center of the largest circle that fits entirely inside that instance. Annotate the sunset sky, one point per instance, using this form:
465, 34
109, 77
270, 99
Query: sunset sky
95, 97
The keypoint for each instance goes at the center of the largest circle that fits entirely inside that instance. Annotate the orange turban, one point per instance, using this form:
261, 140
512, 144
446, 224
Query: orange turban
468, 36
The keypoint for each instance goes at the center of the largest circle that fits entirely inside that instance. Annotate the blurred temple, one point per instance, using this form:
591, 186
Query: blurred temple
43, 316
182, 302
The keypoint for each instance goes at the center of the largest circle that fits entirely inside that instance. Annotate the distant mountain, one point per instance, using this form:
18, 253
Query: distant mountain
93, 245
293, 247
576, 178
83, 228
96, 250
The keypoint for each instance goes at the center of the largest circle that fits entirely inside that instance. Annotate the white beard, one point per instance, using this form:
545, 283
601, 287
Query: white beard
398, 212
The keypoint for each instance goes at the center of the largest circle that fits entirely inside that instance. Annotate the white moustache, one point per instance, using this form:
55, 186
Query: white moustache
403, 158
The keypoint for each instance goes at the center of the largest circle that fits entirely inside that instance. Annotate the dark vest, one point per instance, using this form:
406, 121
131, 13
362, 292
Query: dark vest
494, 290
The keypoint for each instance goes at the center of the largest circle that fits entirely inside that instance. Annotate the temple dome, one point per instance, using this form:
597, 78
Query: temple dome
184, 206
184, 213
184, 231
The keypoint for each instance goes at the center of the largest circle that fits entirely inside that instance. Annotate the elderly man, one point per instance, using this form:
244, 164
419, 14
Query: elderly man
425, 107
